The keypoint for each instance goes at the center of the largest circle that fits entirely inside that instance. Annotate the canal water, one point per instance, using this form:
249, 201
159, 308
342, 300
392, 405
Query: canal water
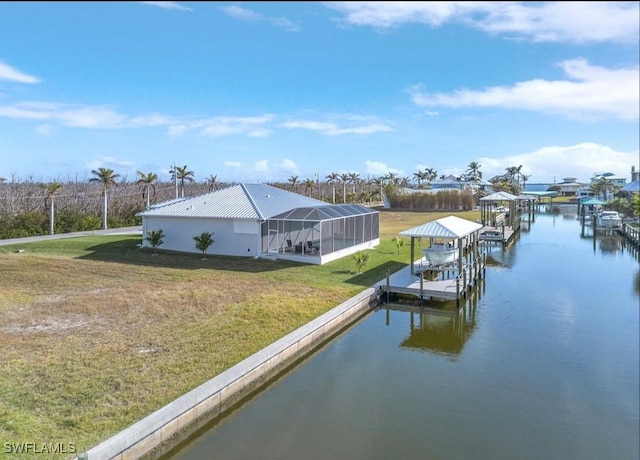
542, 363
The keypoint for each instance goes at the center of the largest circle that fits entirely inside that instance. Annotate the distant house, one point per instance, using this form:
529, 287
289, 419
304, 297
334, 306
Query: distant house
258, 220
569, 186
461, 183
618, 181
633, 186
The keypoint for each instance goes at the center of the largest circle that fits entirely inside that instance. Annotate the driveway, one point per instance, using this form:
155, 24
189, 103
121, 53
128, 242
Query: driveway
111, 231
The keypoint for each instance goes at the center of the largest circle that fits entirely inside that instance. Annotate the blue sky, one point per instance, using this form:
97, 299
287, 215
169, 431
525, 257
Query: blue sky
263, 91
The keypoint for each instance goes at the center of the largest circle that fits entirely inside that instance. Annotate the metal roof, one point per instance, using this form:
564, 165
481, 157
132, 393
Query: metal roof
447, 227
242, 201
499, 196
632, 187
325, 212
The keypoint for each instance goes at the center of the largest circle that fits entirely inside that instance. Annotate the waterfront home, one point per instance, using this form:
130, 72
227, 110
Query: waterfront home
569, 186
258, 220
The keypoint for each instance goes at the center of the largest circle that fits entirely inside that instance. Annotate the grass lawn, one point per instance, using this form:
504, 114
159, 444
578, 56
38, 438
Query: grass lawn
96, 333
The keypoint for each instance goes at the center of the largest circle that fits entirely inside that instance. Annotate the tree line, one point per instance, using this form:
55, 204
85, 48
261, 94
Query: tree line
106, 199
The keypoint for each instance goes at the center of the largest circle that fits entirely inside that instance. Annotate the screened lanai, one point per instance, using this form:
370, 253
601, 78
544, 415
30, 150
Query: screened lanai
321, 232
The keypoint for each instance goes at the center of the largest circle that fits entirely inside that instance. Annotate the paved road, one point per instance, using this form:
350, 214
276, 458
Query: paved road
112, 231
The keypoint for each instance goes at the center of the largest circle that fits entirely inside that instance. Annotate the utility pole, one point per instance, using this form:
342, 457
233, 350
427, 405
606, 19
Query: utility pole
175, 178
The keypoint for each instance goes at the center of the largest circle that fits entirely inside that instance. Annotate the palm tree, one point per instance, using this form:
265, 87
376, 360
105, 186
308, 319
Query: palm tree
432, 174
525, 178
399, 242
293, 180
420, 176
181, 174
392, 178
361, 259
155, 238
379, 182
50, 190
212, 182
474, 170
344, 178
203, 242
106, 177
309, 184
511, 172
519, 173
331, 180
147, 180
602, 187
353, 178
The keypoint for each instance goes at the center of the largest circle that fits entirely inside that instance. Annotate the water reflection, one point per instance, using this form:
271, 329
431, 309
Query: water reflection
440, 331
610, 244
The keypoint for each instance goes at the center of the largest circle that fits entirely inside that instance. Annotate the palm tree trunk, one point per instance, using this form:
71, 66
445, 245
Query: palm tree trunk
148, 196
51, 217
104, 213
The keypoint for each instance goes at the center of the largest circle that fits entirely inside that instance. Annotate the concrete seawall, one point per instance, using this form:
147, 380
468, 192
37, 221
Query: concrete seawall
162, 430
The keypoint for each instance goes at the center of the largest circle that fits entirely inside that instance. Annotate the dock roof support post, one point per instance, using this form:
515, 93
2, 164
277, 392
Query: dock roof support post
412, 251
387, 286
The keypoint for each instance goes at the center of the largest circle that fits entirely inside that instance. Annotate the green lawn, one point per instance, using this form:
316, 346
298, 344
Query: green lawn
96, 333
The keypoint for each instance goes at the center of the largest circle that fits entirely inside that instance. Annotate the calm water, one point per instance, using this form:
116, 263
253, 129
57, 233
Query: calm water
543, 364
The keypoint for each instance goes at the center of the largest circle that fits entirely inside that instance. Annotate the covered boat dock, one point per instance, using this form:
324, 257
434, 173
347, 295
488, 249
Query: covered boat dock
436, 278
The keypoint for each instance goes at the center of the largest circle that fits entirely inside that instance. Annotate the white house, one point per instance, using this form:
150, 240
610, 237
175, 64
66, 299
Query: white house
258, 220
569, 186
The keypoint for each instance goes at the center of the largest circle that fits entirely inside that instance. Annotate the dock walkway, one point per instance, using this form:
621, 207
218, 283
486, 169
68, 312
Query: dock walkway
403, 282
506, 234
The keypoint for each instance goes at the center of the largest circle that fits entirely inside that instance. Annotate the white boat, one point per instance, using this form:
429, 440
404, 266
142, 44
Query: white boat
609, 219
491, 235
440, 254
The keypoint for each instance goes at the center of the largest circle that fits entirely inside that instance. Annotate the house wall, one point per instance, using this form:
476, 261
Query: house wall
232, 237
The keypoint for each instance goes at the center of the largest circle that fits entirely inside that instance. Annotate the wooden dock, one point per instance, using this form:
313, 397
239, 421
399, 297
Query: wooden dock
452, 286
506, 234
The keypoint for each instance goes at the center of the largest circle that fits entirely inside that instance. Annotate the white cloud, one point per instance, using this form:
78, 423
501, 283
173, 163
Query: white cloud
102, 117
261, 166
121, 167
224, 126
331, 129
264, 170
168, 5
378, 168
580, 161
12, 74
289, 166
68, 115
245, 14
589, 93
537, 21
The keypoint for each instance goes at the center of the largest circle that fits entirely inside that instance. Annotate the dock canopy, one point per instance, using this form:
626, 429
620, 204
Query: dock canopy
489, 213
499, 196
450, 227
